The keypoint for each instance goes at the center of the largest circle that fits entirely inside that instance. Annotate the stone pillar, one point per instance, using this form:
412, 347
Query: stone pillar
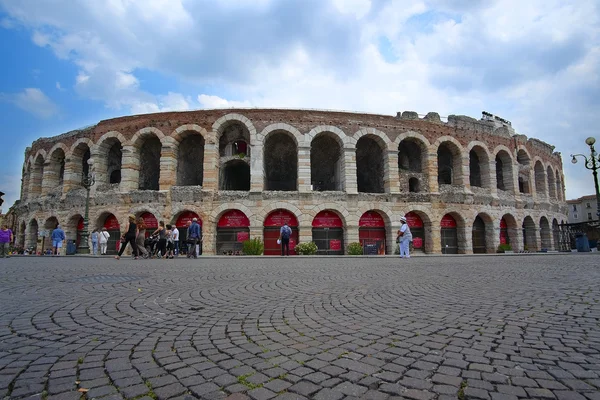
211, 168
351, 236
464, 176
436, 236
391, 177
35, 182
209, 238
49, 179
492, 236
493, 183
72, 179
431, 168
351, 181
130, 169
304, 233
168, 164
304, 179
465, 236
390, 242
257, 171
516, 239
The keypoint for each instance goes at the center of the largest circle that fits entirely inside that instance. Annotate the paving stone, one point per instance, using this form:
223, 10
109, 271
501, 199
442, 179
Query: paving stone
304, 388
475, 393
328, 394
540, 393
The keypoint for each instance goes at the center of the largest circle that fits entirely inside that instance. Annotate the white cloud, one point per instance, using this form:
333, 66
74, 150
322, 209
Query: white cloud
11, 186
207, 101
59, 87
34, 101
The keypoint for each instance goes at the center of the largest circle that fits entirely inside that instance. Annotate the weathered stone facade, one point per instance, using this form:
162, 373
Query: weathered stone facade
348, 163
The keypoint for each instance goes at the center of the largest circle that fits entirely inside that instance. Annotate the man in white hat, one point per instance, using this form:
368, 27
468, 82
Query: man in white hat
404, 238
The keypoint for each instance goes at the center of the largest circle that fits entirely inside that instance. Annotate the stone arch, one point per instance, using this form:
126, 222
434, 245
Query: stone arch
259, 218
449, 161
371, 161
79, 159
385, 212
540, 179
21, 235
545, 234
37, 175
140, 136
382, 138
479, 165
463, 241
147, 208
307, 217
327, 161
483, 238
344, 139
189, 148
32, 234
293, 132
504, 169
512, 231
551, 183
220, 124
530, 237
412, 153
524, 165
108, 158
281, 161
214, 216
70, 228
54, 172
424, 214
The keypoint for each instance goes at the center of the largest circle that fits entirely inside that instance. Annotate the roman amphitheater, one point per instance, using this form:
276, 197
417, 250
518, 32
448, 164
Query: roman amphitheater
465, 185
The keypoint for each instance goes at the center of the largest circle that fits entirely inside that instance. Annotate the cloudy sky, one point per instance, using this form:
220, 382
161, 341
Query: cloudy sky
70, 63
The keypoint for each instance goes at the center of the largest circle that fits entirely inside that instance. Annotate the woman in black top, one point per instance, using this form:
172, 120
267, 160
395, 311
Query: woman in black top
162, 239
129, 237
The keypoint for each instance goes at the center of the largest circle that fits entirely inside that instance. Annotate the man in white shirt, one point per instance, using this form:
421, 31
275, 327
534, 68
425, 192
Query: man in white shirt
175, 236
404, 238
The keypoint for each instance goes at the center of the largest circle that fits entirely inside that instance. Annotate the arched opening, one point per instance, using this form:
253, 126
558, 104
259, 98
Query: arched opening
524, 168
26, 182
479, 236
328, 233
111, 223
235, 175
281, 162
182, 226
529, 235
556, 234
540, 179
414, 185
372, 233
272, 226
449, 164
56, 169
474, 169
110, 160
234, 140
417, 229
326, 163
32, 239
80, 158
190, 160
410, 156
37, 174
449, 235
546, 234
150, 163
74, 229
551, 183
233, 229
49, 226
504, 174
504, 237
370, 168
150, 222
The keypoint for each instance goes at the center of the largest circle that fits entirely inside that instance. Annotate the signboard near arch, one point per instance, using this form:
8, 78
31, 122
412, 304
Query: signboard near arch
150, 222
233, 229
504, 238
111, 223
371, 233
181, 224
417, 229
449, 234
328, 233
272, 225
80, 226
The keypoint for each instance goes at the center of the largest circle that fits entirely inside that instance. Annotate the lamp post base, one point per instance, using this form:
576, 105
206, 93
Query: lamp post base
83, 250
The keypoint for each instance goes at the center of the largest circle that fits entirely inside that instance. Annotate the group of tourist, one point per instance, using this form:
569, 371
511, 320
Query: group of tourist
162, 242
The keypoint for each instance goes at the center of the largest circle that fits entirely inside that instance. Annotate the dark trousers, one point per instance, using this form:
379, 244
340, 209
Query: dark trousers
131, 241
162, 246
285, 244
192, 247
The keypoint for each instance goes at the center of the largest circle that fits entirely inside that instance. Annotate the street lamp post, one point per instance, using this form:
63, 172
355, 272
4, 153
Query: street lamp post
87, 181
593, 164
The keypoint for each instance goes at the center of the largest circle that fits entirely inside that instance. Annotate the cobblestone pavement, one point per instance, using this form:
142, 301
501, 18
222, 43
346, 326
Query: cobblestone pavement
499, 327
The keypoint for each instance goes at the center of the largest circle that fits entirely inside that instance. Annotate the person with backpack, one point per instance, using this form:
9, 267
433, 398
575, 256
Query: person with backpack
194, 235
284, 237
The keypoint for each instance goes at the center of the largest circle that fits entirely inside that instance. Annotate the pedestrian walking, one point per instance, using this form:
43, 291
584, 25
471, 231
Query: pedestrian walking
284, 239
170, 243
104, 235
404, 238
94, 238
162, 239
58, 238
194, 233
6, 238
129, 237
175, 234
140, 238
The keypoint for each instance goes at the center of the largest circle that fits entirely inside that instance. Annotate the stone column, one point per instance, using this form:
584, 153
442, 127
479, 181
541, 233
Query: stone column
351, 180
130, 169
489, 182
351, 236
431, 168
464, 175
49, 179
304, 233
465, 236
35, 182
492, 236
436, 237
211, 168
516, 239
257, 171
72, 177
168, 164
304, 179
391, 181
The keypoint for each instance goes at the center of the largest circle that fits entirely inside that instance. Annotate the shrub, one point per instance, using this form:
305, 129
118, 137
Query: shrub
355, 249
253, 247
504, 247
306, 249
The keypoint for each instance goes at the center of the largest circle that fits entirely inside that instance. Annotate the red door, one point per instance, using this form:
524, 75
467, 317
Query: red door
272, 225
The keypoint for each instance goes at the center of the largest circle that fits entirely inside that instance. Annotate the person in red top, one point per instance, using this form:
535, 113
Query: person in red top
6, 238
